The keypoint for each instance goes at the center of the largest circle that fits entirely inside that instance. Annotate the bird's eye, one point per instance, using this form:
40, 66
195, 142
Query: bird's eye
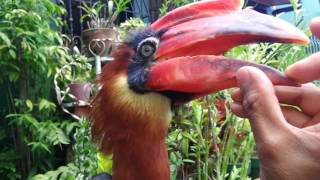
147, 50
148, 47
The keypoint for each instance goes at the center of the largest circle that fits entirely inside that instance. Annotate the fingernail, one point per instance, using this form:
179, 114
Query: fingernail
244, 78
314, 26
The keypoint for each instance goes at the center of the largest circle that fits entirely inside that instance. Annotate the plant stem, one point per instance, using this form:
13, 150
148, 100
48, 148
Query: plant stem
214, 139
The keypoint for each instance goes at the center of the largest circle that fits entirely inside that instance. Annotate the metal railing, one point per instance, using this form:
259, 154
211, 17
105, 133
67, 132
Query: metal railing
314, 45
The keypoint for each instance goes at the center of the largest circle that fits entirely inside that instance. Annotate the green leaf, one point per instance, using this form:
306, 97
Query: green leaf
185, 146
69, 126
110, 7
39, 146
49, 72
56, 135
24, 120
13, 76
12, 53
12, 115
42, 57
196, 111
47, 105
189, 161
5, 39
173, 157
217, 131
3, 46
29, 104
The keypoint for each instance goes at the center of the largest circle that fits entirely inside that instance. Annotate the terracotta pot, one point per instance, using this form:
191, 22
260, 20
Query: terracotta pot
272, 2
95, 38
81, 91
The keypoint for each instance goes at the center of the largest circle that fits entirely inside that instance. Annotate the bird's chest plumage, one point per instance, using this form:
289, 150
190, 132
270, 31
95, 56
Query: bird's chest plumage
133, 128
151, 108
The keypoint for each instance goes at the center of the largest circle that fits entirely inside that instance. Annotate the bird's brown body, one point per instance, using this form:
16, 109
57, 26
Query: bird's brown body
169, 62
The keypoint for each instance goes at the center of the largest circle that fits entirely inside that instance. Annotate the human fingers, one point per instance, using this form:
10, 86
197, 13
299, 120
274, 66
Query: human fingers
260, 103
311, 64
237, 109
305, 70
236, 95
294, 117
306, 97
315, 26
313, 124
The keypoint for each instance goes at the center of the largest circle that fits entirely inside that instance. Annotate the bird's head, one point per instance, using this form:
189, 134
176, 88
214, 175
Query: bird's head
176, 59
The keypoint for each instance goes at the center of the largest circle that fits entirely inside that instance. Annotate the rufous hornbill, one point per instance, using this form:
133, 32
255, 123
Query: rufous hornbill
174, 60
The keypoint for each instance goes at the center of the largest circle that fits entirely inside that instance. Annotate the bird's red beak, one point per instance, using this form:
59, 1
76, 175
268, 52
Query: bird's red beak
187, 61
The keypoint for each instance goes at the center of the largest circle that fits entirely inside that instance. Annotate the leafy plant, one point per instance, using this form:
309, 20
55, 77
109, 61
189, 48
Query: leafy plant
104, 163
96, 20
31, 48
168, 5
76, 69
208, 144
27, 36
130, 25
8, 168
85, 160
68, 172
85, 151
41, 136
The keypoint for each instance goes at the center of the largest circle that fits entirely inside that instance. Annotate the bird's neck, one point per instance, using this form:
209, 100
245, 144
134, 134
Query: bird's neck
133, 127
142, 158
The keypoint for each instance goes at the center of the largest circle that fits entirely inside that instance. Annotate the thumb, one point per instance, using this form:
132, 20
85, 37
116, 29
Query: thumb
315, 26
260, 103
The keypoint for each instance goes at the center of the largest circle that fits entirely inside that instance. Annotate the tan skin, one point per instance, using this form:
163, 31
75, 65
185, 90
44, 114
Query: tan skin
288, 139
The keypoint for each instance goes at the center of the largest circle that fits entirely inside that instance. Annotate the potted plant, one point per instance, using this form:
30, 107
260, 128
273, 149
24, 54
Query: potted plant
80, 76
76, 76
72, 80
101, 34
130, 25
81, 91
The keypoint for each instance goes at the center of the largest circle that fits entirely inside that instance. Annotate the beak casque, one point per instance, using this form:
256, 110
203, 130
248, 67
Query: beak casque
188, 60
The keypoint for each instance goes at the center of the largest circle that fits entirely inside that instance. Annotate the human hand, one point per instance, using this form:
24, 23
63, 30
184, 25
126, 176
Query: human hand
288, 140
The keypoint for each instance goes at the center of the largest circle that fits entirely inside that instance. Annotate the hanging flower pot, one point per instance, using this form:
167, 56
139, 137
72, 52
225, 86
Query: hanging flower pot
99, 41
81, 91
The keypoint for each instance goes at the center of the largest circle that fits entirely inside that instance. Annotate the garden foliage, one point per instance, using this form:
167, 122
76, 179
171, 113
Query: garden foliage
35, 136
